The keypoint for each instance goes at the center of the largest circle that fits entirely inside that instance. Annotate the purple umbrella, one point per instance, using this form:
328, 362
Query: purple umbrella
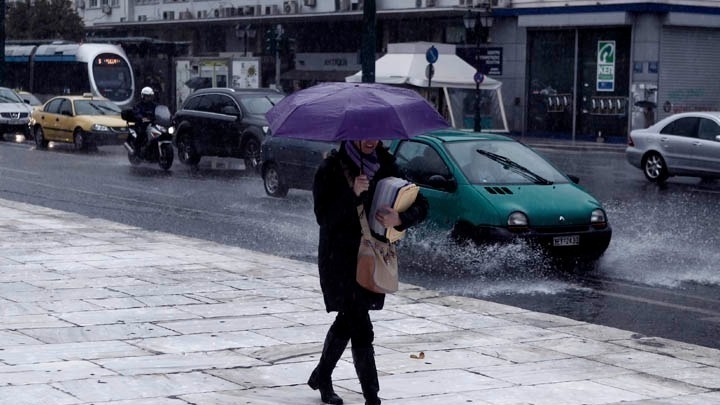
353, 111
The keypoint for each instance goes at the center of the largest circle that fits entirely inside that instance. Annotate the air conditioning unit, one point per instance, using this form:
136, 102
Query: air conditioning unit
142, 18
310, 3
107, 9
229, 11
344, 5
168, 15
275, 10
290, 7
258, 10
430, 3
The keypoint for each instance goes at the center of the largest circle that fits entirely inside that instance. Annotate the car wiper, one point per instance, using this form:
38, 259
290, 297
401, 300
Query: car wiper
517, 168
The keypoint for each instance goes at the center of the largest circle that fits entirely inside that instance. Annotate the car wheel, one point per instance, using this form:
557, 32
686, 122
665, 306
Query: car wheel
274, 186
40, 141
79, 140
251, 153
654, 168
186, 152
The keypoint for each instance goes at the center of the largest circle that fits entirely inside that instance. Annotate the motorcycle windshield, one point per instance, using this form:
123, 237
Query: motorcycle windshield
162, 115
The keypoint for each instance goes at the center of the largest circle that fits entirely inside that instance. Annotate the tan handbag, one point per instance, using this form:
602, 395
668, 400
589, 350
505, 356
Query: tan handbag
377, 264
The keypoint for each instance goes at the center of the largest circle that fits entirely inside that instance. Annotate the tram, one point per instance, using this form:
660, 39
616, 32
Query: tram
61, 67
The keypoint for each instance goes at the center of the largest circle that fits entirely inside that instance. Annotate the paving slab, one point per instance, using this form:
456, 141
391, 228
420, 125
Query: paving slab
110, 314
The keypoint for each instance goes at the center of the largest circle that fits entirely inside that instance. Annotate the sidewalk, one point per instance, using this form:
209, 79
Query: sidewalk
95, 312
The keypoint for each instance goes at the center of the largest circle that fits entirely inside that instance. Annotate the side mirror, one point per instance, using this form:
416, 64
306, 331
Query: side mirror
440, 182
574, 179
230, 110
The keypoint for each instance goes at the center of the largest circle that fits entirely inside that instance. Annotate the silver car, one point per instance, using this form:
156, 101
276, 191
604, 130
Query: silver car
684, 144
14, 113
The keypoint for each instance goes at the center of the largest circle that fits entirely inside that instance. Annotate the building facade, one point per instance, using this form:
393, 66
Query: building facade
570, 69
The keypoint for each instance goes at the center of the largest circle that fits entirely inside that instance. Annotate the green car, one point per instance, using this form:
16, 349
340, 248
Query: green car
490, 188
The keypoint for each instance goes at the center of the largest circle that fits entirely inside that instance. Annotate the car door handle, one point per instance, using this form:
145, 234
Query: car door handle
697, 143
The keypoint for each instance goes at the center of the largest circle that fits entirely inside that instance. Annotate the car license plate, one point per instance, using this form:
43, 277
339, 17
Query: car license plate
570, 240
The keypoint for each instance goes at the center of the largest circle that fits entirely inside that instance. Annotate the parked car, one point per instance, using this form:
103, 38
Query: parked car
685, 144
224, 122
291, 163
490, 188
14, 114
86, 121
29, 98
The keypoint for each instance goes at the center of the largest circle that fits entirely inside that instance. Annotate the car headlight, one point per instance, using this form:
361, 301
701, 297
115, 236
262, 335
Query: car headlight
265, 129
171, 130
517, 221
598, 218
99, 128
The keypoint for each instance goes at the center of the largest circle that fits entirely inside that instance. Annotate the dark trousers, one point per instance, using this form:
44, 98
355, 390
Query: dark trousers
354, 324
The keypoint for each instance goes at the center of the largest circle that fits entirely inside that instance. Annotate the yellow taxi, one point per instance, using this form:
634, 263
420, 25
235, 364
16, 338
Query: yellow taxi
86, 121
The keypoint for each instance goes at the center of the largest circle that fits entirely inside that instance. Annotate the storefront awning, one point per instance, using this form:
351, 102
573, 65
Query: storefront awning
317, 75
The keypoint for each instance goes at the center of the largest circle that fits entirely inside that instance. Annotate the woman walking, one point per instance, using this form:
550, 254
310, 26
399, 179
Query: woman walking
346, 179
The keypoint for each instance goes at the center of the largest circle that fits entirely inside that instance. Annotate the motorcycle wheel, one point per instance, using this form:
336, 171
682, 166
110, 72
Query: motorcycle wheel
134, 159
166, 158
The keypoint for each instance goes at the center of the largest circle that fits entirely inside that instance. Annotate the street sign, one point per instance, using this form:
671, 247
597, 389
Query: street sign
432, 55
429, 71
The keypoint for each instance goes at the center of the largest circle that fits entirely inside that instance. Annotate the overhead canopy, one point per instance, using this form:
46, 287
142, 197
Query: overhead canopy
405, 63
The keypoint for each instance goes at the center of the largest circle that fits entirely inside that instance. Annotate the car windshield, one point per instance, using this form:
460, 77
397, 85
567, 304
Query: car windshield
9, 96
96, 107
260, 104
502, 162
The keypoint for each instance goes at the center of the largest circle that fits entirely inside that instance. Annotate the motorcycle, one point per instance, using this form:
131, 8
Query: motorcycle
158, 141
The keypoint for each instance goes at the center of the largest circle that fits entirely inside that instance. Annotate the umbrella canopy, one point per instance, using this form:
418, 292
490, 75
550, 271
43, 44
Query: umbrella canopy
199, 83
353, 111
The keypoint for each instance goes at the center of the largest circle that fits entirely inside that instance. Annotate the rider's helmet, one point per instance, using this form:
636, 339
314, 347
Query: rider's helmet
147, 93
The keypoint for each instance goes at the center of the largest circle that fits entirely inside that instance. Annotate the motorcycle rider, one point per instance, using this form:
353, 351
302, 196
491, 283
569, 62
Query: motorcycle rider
144, 114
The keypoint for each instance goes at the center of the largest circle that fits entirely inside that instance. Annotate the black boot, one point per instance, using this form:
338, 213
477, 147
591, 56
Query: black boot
364, 360
321, 377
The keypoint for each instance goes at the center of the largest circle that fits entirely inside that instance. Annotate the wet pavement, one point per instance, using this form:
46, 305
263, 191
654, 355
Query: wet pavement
96, 312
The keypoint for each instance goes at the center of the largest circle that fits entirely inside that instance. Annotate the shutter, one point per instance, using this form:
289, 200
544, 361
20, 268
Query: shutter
688, 71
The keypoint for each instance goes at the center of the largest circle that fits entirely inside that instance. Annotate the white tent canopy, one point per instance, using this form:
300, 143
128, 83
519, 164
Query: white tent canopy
406, 64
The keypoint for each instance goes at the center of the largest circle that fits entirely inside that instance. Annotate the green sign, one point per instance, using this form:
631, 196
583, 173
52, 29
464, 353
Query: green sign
606, 66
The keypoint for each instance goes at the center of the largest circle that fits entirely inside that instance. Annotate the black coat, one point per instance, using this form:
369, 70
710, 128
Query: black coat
335, 206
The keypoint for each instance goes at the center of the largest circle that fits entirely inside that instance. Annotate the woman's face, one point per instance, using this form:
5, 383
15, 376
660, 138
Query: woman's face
367, 146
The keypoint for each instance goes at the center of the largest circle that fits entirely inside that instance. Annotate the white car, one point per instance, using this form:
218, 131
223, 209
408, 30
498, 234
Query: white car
684, 144
14, 114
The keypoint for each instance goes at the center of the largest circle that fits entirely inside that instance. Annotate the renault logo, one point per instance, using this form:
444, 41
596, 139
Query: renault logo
561, 219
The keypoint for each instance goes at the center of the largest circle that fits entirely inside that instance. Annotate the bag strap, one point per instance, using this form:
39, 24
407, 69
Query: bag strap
363, 222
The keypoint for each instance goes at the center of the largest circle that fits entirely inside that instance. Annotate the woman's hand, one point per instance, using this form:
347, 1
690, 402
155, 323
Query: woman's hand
361, 184
388, 217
